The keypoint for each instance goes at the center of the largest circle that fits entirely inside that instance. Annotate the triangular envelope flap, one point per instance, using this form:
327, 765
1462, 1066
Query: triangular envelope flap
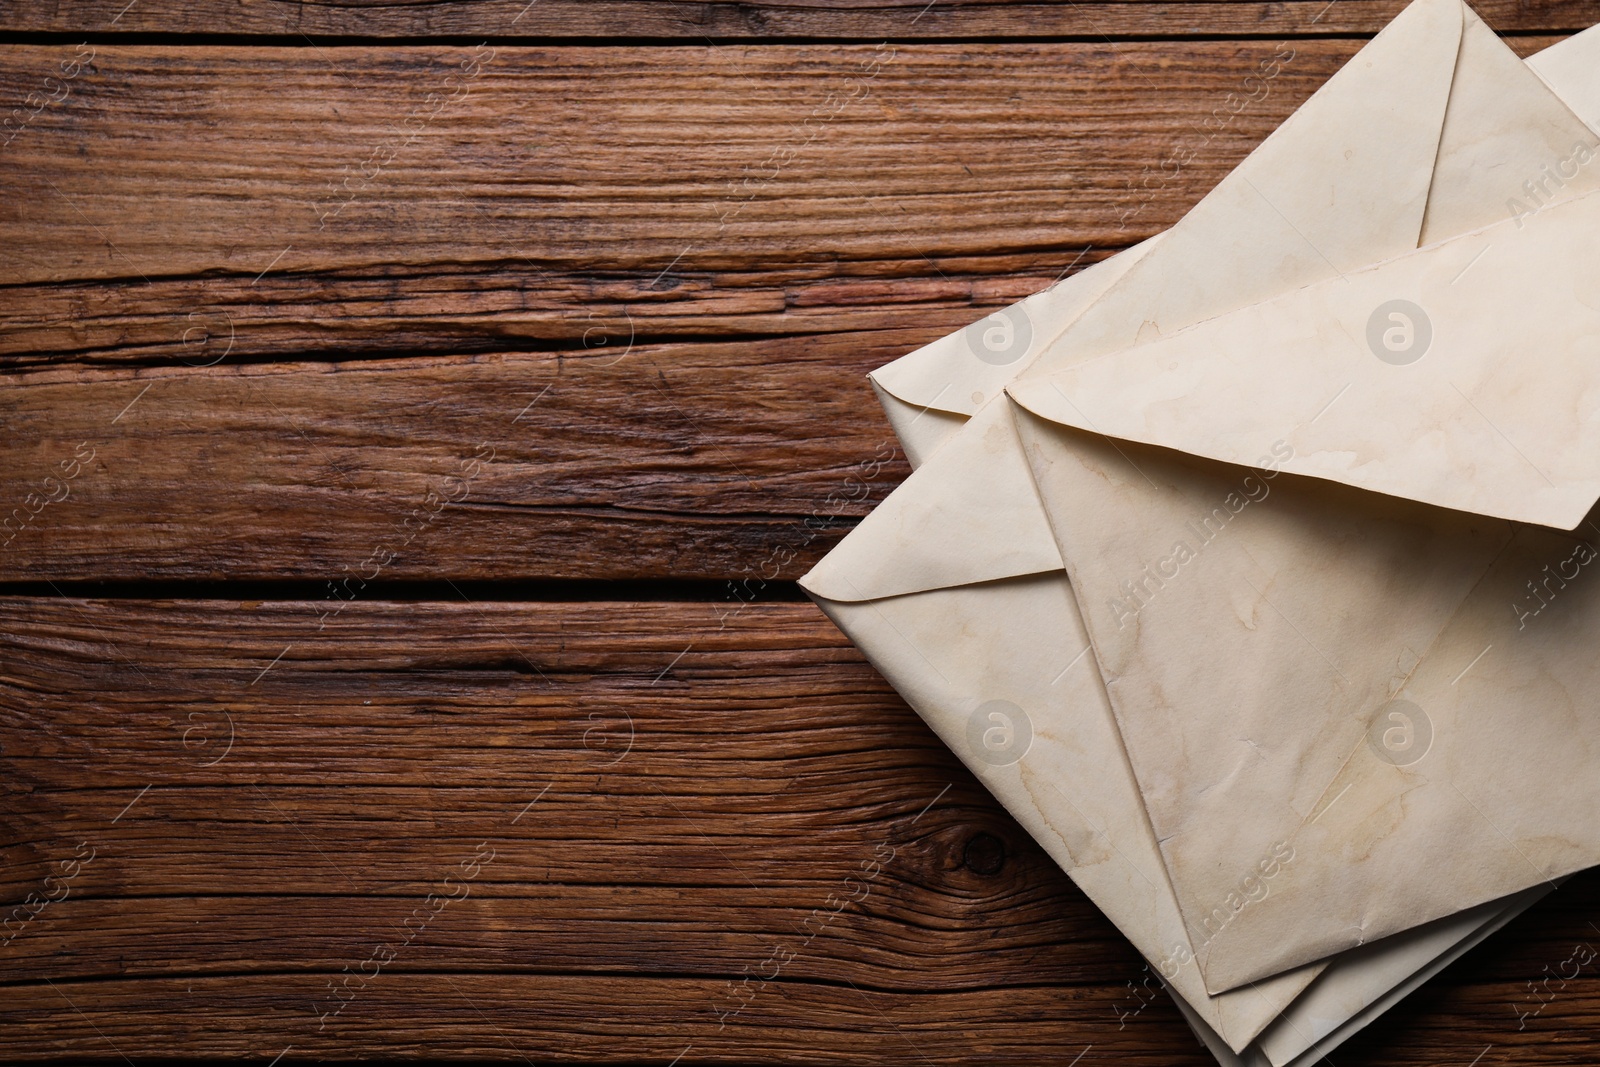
1000, 672
937, 387
1572, 70
1502, 122
1464, 375
968, 514
1361, 149
1343, 182
962, 371
944, 526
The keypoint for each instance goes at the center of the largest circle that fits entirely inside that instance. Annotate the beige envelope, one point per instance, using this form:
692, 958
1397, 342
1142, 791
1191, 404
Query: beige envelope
1362, 984
1111, 809
1353, 655
909, 586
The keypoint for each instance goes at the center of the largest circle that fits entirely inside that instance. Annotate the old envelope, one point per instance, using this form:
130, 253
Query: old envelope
1385, 669
984, 524
1331, 1011
1354, 989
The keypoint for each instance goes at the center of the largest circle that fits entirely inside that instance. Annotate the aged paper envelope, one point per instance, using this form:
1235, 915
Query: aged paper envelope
928, 395
1257, 677
1362, 984
1331, 1011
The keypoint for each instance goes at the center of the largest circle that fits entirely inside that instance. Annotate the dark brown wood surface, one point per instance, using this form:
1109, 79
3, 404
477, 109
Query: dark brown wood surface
411, 489
759, 20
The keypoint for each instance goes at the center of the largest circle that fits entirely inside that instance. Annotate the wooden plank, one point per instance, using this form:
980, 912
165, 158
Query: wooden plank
172, 210
457, 309
723, 19
663, 821
737, 460
656, 164
166, 237
660, 820
523, 1018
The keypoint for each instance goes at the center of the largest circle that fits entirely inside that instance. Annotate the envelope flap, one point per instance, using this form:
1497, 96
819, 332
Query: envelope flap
962, 371
1466, 375
969, 514
1410, 377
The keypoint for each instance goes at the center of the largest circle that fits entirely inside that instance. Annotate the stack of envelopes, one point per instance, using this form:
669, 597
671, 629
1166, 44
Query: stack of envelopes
1251, 568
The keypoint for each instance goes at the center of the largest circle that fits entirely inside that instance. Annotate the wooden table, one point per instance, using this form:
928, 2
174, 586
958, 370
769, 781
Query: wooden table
415, 417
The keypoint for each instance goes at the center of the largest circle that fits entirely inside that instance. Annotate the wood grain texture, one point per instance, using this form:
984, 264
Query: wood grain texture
330, 292
716, 20
661, 825
739, 461
686, 819
165, 161
702, 318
